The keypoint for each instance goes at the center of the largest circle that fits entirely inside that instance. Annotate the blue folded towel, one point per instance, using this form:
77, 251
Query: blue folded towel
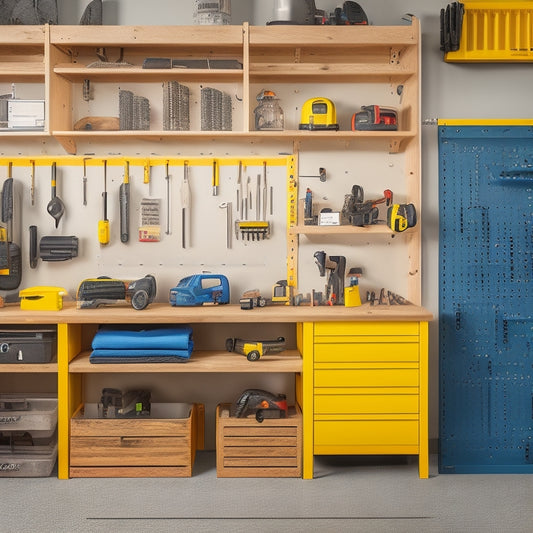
165, 338
139, 356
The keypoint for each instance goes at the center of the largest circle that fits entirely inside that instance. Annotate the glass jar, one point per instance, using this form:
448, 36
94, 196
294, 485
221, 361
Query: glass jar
268, 114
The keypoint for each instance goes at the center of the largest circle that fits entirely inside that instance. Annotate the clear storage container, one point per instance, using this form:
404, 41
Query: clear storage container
36, 414
28, 460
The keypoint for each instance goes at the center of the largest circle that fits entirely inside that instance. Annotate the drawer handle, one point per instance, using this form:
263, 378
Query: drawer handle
131, 441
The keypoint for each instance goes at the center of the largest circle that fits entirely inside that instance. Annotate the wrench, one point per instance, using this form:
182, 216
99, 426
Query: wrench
229, 220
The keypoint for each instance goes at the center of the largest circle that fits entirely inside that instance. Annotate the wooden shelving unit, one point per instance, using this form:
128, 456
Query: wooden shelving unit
390, 56
58, 56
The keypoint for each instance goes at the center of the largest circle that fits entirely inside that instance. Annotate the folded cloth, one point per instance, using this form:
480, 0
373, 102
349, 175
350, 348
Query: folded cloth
141, 338
140, 356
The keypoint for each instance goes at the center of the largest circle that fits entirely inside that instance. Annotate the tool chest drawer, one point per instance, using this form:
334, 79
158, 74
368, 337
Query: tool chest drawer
372, 401
381, 330
366, 433
162, 445
367, 352
367, 377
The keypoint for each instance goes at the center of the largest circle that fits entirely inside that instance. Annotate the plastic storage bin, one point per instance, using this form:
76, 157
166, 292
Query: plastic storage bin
21, 460
36, 414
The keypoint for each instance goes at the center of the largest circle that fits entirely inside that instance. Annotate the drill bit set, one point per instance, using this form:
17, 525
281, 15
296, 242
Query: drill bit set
176, 115
216, 110
134, 111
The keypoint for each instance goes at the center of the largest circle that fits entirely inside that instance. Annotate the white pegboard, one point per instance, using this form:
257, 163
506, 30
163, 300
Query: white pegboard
247, 264
383, 257
105, 101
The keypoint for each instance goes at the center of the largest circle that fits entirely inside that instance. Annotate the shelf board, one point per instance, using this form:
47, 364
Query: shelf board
333, 36
27, 368
315, 72
200, 362
22, 133
68, 138
22, 71
374, 229
78, 73
165, 37
23, 36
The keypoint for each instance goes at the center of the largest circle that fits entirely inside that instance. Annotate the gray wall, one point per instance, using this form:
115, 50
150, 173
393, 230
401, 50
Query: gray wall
448, 91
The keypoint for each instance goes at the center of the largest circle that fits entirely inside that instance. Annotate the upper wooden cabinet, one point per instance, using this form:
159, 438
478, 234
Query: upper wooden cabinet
23, 53
61, 56
335, 53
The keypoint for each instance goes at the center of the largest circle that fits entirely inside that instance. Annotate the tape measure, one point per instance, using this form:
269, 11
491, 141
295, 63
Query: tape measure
401, 216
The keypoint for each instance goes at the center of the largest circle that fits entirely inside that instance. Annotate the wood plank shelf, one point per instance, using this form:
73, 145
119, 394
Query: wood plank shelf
27, 368
201, 361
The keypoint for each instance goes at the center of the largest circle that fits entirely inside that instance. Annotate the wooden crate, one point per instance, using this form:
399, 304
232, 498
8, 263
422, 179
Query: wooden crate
136, 447
247, 448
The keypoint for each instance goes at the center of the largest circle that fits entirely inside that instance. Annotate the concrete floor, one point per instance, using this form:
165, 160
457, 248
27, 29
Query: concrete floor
348, 494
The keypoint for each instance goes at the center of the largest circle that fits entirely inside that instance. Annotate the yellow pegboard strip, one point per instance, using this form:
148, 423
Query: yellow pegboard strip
39, 160
292, 213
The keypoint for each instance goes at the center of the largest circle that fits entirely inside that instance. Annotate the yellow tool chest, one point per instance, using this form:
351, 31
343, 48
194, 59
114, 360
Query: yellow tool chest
369, 385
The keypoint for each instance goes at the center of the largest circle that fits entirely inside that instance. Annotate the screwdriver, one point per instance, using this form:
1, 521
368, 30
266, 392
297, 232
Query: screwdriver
185, 207
124, 203
216, 178
103, 225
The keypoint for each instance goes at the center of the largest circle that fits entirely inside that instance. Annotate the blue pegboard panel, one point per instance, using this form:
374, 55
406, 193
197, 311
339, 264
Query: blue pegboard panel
486, 299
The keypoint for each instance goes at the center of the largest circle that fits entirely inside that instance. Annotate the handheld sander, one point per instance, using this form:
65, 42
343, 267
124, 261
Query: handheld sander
263, 403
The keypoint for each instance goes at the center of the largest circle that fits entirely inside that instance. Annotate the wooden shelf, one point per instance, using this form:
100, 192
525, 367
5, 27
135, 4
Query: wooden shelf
395, 139
78, 73
374, 229
26, 368
22, 71
333, 36
140, 37
22, 36
322, 72
201, 361
23, 133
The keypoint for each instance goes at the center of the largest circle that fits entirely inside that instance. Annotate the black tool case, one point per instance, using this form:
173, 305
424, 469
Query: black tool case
27, 345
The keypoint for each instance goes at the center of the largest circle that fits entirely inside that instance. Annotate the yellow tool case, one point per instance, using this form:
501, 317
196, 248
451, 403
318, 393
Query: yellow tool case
494, 32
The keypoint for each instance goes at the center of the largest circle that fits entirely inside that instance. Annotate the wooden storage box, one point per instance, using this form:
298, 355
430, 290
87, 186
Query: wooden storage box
163, 445
247, 448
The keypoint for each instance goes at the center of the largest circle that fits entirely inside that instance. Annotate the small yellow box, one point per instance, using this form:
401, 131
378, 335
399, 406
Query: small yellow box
42, 298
